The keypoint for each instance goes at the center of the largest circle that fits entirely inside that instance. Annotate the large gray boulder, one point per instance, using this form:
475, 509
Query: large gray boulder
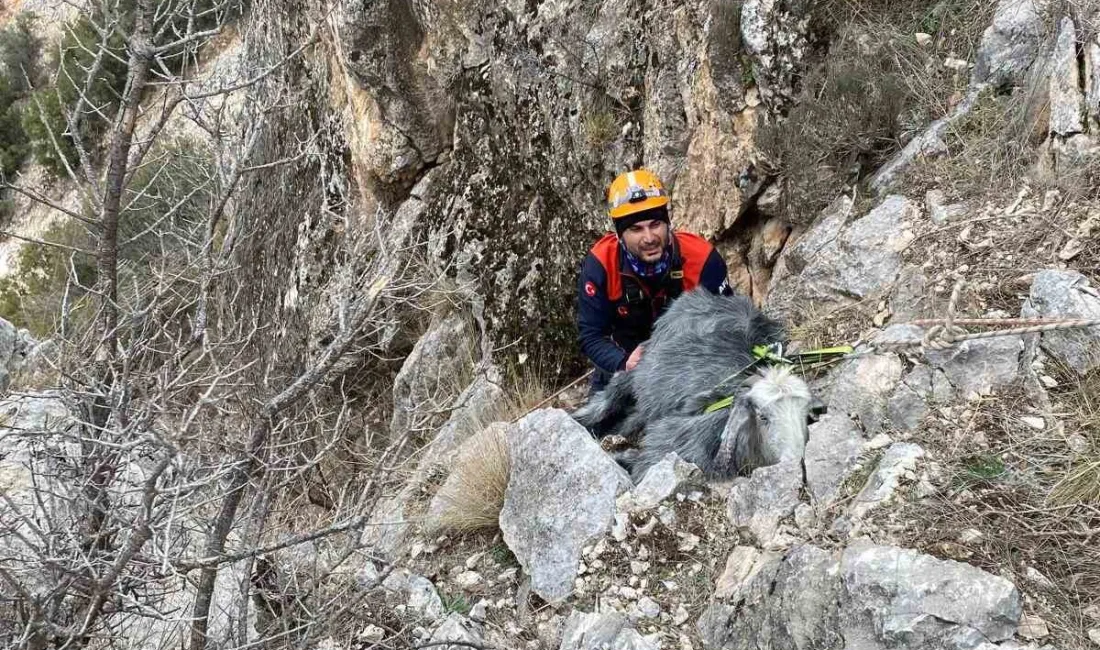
759, 502
1067, 102
425, 385
832, 453
561, 494
843, 264
865, 596
1067, 295
861, 388
1009, 45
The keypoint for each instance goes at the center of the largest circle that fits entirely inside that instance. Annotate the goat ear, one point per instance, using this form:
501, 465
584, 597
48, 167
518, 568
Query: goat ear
737, 438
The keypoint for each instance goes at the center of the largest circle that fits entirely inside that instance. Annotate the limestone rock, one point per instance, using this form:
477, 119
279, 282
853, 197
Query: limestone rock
831, 453
979, 366
862, 387
919, 598
457, 628
900, 459
16, 346
666, 478
1066, 101
757, 504
419, 594
424, 385
865, 596
475, 405
909, 299
922, 387
742, 567
1067, 294
1009, 46
940, 211
1092, 88
602, 631
561, 494
862, 260
774, 35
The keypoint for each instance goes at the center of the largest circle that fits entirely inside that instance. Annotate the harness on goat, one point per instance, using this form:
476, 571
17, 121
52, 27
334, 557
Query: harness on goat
774, 353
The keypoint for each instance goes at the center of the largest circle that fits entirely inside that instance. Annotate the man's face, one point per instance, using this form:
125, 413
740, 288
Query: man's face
646, 240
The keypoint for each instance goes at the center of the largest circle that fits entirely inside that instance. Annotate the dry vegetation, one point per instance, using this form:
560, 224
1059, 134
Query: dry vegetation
875, 88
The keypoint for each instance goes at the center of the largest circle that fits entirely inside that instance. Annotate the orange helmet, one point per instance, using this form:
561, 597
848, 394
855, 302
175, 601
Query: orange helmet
635, 192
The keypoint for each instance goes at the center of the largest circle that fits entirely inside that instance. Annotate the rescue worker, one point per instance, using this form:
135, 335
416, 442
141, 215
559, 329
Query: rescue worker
629, 277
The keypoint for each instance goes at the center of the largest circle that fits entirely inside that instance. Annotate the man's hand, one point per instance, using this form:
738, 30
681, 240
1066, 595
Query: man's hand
634, 358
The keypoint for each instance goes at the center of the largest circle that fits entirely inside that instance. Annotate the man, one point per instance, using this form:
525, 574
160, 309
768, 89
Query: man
630, 277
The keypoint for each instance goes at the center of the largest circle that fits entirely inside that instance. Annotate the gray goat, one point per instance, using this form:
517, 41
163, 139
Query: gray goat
700, 352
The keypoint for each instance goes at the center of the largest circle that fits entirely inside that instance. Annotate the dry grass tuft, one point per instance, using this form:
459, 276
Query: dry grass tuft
473, 495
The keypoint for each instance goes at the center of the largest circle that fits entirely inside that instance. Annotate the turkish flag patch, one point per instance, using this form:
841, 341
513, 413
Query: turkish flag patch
590, 289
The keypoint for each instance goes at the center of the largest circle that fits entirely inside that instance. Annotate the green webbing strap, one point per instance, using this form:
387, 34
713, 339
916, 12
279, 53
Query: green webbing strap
774, 352
725, 402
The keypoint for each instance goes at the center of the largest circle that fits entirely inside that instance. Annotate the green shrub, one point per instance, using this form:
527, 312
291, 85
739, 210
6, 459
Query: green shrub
50, 106
19, 53
13, 141
31, 295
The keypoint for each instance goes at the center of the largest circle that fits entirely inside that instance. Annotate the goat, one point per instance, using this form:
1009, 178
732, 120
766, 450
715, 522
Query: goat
699, 351
767, 424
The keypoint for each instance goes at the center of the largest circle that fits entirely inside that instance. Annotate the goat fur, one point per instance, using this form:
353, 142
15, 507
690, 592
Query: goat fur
696, 345
701, 351
735, 440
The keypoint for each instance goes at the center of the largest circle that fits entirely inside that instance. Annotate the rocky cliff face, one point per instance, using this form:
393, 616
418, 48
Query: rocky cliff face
477, 137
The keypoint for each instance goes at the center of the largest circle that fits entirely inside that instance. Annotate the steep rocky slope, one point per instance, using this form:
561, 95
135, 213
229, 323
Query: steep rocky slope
947, 500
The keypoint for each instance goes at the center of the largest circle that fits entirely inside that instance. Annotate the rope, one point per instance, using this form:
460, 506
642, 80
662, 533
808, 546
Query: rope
944, 332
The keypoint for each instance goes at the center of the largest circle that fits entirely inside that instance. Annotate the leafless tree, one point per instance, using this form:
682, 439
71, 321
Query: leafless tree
200, 422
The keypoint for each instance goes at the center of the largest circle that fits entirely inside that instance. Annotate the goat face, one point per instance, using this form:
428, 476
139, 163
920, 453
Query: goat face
768, 424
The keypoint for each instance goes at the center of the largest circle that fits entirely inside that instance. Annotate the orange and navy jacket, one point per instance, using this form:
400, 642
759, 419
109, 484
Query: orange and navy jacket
616, 310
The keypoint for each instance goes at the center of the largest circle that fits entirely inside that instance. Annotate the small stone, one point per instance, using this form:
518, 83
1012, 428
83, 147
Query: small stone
1033, 627
372, 634
479, 610
1071, 250
508, 574
955, 64
970, 536
618, 529
646, 528
878, 442
1094, 635
1036, 423
416, 550
472, 561
649, 607
1092, 611
468, 579
1036, 577
1049, 382
680, 616
643, 553
638, 568
628, 592
688, 542
923, 38
1077, 443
